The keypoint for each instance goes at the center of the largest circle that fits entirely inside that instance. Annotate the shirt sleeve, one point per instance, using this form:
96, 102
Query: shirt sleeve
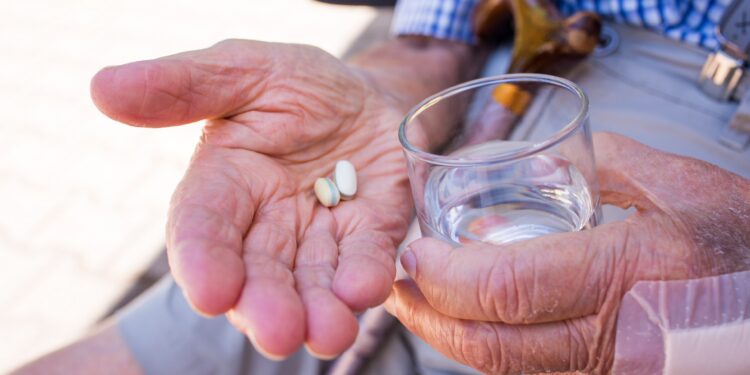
451, 19
699, 326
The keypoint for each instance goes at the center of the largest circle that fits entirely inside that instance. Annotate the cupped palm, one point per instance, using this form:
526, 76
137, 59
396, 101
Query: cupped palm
245, 235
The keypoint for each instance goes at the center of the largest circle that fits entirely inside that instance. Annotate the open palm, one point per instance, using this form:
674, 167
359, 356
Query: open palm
245, 234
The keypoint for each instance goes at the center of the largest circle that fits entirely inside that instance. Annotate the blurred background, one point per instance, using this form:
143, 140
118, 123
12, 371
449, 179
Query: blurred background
83, 199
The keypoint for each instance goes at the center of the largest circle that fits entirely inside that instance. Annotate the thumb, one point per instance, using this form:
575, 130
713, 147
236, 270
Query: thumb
186, 87
633, 174
622, 166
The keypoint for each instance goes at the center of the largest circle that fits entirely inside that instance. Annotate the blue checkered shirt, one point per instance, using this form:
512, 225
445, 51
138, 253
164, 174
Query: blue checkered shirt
691, 21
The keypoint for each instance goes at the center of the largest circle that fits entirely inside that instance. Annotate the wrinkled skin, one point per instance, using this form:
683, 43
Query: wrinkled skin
246, 235
551, 303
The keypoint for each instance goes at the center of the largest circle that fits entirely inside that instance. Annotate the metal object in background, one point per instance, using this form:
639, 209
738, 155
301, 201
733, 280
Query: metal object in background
736, 134
609, 41
722, 74
734, 138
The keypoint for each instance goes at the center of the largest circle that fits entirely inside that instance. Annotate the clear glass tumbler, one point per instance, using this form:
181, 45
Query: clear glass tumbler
471, 184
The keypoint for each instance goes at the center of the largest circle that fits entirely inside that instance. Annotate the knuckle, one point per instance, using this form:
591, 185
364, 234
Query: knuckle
476, 344
578, 351
310, 49
591, 343
500, 293
440, 298
230, 43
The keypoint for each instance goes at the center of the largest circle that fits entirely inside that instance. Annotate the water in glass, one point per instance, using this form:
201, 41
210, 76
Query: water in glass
504, 202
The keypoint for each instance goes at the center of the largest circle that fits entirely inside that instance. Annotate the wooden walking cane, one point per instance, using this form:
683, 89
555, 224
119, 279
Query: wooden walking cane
544, 42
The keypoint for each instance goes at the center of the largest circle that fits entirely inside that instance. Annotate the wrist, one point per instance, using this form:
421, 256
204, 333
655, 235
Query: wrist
410, 68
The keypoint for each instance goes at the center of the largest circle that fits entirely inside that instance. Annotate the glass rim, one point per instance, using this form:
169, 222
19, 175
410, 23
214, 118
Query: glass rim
449, 161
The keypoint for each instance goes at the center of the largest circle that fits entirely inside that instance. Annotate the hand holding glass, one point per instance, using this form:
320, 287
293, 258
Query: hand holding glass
479, 187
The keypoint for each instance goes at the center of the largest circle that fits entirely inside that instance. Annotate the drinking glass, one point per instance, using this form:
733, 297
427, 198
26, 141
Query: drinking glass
471, 184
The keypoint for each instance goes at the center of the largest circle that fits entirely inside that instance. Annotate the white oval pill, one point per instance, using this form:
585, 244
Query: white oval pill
326, 192
345, 177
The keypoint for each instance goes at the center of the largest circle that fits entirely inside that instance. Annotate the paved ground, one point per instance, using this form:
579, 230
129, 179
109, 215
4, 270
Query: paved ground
82, 198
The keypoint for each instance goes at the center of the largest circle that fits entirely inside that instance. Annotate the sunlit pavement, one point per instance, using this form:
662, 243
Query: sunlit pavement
83, 199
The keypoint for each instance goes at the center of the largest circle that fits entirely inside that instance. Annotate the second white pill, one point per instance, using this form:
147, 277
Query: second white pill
345, 178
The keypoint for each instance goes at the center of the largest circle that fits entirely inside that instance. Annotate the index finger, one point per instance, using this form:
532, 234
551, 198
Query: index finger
545, 279
183, 88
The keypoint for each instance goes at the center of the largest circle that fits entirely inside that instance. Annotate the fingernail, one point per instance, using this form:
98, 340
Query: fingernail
325, 357
274, 357
409, 262
390, 304
192, 305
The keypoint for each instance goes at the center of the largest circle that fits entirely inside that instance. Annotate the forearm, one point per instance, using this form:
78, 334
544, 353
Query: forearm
411, 68
104, 352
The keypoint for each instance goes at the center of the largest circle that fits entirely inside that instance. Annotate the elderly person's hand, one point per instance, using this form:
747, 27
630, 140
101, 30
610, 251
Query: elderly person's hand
551, 303
245, 234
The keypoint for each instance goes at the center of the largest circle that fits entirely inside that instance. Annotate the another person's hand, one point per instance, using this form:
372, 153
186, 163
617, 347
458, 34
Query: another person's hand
551, 303
245, 233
